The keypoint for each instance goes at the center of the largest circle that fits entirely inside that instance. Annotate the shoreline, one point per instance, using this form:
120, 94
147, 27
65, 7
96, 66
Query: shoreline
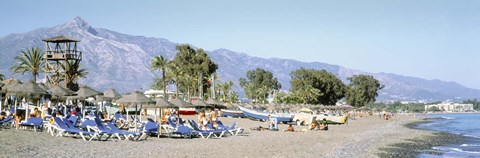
412, 147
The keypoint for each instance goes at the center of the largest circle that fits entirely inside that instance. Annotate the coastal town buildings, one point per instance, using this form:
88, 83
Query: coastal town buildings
451, 107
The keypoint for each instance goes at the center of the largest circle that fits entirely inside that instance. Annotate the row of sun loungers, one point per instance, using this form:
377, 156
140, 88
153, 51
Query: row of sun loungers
96, 129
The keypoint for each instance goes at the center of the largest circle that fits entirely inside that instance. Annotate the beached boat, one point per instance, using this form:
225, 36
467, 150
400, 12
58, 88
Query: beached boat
232, 113
187, 111
306, 119
264, 116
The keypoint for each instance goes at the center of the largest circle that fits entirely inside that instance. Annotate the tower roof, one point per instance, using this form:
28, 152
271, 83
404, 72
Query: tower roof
60, 39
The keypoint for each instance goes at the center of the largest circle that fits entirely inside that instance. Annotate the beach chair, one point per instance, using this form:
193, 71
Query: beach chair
64, 130
7, 122
205, 133
102, 130
149, 129
184, 131
122, 119
34, 122
127, 135
231, 129
73, 120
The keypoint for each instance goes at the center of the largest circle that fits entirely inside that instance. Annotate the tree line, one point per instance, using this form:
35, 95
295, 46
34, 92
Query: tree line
311, 86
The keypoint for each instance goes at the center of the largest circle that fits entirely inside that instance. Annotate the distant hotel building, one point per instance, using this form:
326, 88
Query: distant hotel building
451, 107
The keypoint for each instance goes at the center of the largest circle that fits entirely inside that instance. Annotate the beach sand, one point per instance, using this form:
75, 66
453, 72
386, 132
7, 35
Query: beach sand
362, 137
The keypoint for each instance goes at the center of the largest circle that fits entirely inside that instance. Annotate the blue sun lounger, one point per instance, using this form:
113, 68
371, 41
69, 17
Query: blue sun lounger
206, 133
64, 130
127, 135
231, 129
34, 122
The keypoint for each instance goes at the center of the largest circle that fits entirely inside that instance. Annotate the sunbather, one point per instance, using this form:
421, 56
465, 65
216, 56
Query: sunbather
213, 118
314, 125
324, 125
35, 113
3, 115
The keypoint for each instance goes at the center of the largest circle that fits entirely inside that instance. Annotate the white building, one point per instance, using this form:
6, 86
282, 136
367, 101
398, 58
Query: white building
451, 107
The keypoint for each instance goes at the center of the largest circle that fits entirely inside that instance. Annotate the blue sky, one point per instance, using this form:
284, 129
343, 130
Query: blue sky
432, 39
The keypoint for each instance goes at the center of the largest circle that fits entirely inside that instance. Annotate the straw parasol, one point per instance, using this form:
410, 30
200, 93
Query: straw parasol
135, 98
201, 103
216, 103
83, 93
180, 103
111, 94
160, 103
59, 91
28, 89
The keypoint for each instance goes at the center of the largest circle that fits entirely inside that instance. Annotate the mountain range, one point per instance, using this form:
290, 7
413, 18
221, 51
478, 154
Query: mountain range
121, 61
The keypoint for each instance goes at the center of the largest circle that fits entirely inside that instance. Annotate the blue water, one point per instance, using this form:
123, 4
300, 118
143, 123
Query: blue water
464, 124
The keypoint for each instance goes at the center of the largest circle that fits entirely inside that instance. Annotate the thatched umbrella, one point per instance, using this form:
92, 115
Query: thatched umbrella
136, 98
83, 93
201, 103
9, 85
160, 103
216, 103
59, 91
110, 95
180, 103
28, 89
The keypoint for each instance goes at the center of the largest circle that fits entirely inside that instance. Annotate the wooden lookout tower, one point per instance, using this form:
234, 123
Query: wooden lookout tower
62, 60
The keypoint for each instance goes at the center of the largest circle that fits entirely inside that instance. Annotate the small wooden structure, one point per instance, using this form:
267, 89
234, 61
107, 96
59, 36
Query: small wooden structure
61, 58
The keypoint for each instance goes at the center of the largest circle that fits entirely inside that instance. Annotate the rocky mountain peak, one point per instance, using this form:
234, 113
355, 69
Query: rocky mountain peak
80, 23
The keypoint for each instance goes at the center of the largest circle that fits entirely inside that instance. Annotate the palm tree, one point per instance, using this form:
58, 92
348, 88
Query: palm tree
74, 71
226, 87
308, 94
160, 63
30, 61
176, 73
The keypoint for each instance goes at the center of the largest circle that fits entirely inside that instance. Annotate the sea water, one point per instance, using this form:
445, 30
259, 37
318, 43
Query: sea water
467, 124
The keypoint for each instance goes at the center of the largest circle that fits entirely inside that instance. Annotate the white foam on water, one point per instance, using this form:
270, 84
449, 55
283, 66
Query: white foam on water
448, 118
469, 145
475, 136
463, 151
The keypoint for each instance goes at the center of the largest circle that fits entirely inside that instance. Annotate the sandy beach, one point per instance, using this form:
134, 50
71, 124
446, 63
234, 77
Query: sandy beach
362, 137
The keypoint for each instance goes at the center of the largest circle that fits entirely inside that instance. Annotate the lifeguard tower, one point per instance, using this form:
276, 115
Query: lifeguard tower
62, 59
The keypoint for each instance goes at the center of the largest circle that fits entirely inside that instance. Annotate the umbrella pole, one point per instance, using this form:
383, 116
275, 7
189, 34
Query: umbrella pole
1, 103
26, 109
83, 109
141, 108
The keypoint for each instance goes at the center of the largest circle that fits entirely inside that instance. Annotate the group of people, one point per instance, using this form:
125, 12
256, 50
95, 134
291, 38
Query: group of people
203, 120
315, 125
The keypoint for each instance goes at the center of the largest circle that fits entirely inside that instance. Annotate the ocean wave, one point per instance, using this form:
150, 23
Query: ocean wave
469, 145
448, 118
474, 136
463, 151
